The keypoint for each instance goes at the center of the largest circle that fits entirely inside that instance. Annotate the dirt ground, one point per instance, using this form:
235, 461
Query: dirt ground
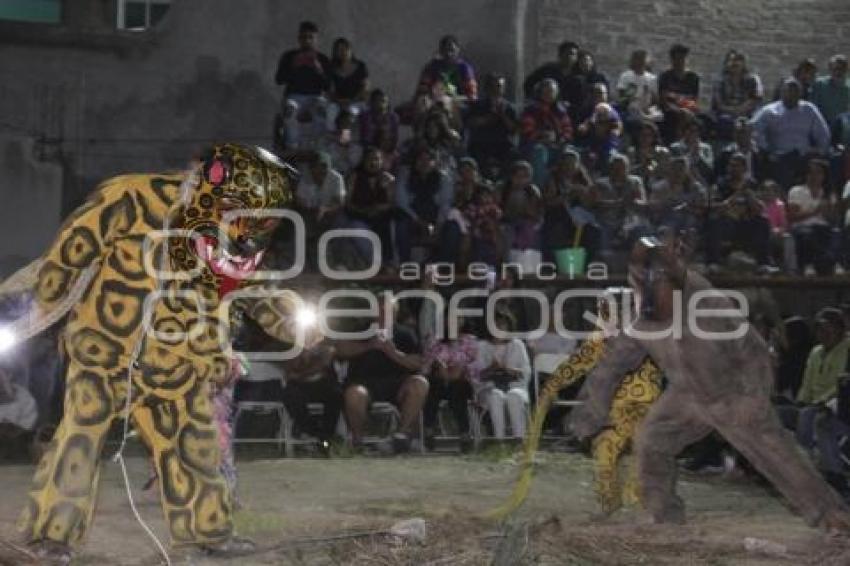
287, 501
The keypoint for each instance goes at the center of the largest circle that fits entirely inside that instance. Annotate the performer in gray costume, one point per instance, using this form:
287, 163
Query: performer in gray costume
714, 384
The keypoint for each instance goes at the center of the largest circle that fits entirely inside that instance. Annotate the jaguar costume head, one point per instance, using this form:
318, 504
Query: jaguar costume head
225, 214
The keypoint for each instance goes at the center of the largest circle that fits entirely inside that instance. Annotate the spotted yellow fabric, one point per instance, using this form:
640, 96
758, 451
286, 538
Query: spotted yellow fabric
152, 311
638, 390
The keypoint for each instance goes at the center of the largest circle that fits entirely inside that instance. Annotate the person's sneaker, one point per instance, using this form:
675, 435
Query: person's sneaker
51, 553
766, 269
401, 443
230, 548
712, 268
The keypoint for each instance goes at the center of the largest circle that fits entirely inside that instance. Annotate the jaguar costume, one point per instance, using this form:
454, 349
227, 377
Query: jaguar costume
632, 401
143, 270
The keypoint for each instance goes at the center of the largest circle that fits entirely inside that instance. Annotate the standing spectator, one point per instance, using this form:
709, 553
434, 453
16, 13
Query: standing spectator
737, 93
805, 73
619, 202
505, 371
456, 74
349, 81
492, 125
743, 143
831, 94
546, 126
810, 213
678, 90
370, 203
590, 78
385, 368
379, 124
637, 93
788, 131
305, 75
424, 195
699, 154
563, 72
310, 378
739, 219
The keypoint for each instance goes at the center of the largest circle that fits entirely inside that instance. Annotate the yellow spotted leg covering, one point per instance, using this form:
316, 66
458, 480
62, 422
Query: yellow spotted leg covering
632, 401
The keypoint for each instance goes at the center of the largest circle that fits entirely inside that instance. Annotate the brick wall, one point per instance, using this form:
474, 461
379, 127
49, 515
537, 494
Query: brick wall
774, 35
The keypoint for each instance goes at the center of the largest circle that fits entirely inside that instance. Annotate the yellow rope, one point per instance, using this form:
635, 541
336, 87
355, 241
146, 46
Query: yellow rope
570, 371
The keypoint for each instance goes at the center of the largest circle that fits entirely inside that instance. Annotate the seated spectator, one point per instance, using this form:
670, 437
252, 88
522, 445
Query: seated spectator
678, 201
788, 132
310, 378
448, 66
482, 217
341, 146
743, 143
568, 189
349, 81
737, 93
600, 136
563, 71
441, 139
699, 154
378, 123
619, 202
845, 223
590, 79
637, 94
522, 208
805, 72
738, 220
305, 75
385, 368
545, 127
450, 365
505, 371
643, 154
492, 124
424, 195
825, 364
678, 90
320, 194
811, 211
370, 204
776, 214
18, 417
831, 94
454, 237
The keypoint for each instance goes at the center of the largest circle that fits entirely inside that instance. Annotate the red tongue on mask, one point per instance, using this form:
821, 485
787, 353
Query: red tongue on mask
230, 278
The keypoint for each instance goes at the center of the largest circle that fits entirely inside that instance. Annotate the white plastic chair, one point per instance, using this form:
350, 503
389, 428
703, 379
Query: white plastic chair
548, 363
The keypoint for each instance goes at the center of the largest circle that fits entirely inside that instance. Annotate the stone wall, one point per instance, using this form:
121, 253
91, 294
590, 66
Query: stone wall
775, 35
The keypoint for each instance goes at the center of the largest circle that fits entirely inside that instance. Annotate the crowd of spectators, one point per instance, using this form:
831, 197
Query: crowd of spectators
586, 159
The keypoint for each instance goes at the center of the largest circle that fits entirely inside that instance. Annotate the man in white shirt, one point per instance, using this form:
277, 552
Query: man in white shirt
637, 93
